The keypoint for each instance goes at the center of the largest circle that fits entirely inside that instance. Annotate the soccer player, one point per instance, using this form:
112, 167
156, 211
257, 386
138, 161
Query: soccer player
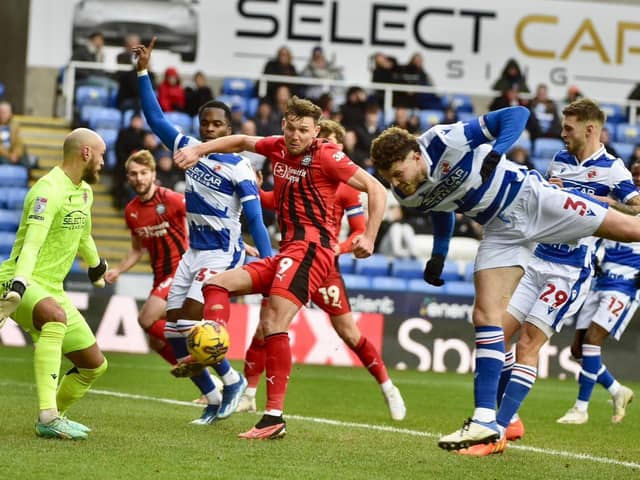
218, 188
157, 220
557, 279
454, 168
55, 227
307, 172
331, 297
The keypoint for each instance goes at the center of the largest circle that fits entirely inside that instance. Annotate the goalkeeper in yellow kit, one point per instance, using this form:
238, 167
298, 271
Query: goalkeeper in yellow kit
55, 227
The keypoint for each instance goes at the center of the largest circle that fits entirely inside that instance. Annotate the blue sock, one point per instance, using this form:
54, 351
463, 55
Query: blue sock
204, 382
505, 375
522, 379
223, 367
591, 363
176, 335
489, 361
605, 378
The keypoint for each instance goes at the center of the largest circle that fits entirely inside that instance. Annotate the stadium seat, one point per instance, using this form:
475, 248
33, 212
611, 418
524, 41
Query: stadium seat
92, 95
466, 116
459, 102
243, 87
13, 198
252, 106
420, 286
346, 263
626, 132
234, 101
523, 141
547, 147
407, 268
624, 150
7, 239
101, 117
182, 121
541, 164
356, 282
376, 264
428, 118
615, 113
389, 284
461, 288
468, 270
9, 220
126, 119
13, 176
388, 116
451, 271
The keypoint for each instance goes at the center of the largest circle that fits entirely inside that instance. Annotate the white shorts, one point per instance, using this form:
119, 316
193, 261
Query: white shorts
539, 213
194, 268
549, 293
611, 309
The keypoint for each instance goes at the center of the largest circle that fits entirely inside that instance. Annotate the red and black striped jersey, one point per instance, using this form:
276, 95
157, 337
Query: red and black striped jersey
160, 225
305, 188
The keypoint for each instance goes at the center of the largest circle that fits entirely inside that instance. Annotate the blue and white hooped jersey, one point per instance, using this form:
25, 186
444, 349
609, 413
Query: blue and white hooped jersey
454, 155
620, 264
601, 174
216, 187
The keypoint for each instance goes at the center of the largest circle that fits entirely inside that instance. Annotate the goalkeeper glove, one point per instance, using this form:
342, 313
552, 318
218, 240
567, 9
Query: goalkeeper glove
11, 299
96, 274
433, 270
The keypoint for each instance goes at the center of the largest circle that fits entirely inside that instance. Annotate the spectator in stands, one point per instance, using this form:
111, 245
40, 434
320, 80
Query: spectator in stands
248, 128
152, 143
128, 97
509, 98
413, 73
511, 77
385, 70
605, 139
281, 99
350, 148
325, 102
544, 120
635, 156
126, 57
520, 155
403, 118
266, 120
399, 239
12, 149
573, 94
92, 50
450, 116
634, 95
130, 140
319, 67
198, 94
281, 65
352, 111
167, 174
634, 168
237, 118
171, 93
366, 133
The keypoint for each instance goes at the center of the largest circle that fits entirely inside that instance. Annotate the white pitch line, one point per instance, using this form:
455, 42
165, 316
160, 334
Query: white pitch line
385, 428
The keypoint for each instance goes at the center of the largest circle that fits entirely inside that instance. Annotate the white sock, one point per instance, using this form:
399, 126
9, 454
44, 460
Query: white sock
614, 388
582, 406
230, 377
251, 392
273, 413
485, 415
387, 387
214, 397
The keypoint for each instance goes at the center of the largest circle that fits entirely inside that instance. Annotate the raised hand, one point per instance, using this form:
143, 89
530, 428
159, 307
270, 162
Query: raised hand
143, 54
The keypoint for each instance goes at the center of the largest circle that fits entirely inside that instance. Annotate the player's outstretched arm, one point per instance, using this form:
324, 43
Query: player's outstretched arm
133, 257
377, 204
506, 125
150, 106
259, 232
443, 223
187, 157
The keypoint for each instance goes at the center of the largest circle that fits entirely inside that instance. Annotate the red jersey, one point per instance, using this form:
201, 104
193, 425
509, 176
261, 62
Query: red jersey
305, 186
160, 225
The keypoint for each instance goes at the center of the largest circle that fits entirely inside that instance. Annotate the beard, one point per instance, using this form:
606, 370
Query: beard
91, 176
142, 190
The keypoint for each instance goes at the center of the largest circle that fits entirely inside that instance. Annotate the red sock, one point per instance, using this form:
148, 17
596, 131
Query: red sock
371, 359
216, 303
157, 331
278, 363
254, 361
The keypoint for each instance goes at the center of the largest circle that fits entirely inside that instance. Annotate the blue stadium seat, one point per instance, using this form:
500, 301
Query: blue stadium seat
182, 121
451, 271
429, 118
624, 150
101, 117
541, 164
523, 141
466, 116
76, 267
126, 119
420, 286
356, 282
465, 289
407, 268
374, 265
615, 113
459, 102
7, 240
13, 176
547, 147
346, 263
388, 116
626, 132
234, 101
238, 86
389, 284
9, 220
13, 198
468, 272
252, 106
92, 95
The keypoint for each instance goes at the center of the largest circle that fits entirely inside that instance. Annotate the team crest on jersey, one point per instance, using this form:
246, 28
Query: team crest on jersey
217, 168
161, 208
306, 160
591, 174
338, 156
40, 205
445, 167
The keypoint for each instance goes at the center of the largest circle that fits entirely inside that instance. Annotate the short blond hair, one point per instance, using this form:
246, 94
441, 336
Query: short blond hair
141, 157
329, 127
585, 109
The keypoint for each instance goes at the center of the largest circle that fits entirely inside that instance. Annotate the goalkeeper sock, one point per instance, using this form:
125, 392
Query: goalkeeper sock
47, 358
76, 383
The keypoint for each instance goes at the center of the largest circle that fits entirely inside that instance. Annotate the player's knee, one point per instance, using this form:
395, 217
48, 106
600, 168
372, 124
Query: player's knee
55, 314
92, 374
576, 350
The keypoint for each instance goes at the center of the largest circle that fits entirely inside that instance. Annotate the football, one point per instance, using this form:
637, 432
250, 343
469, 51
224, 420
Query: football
208, 342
